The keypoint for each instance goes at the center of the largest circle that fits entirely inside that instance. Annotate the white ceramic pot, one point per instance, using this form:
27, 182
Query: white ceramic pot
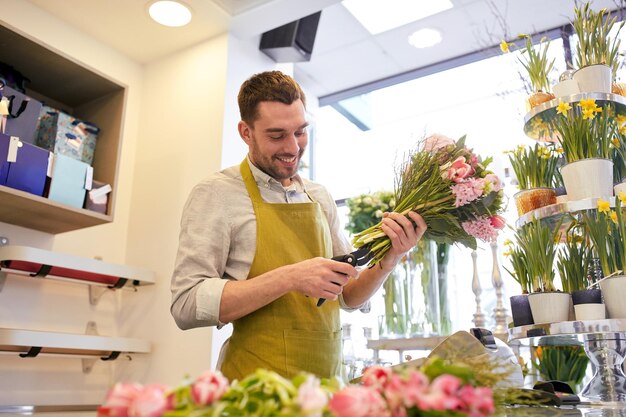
614, 294
550, 307
588, 178
565, 88
594, 79
621, 187
590, 311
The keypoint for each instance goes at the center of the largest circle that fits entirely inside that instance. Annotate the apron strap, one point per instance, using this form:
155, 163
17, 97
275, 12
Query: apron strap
248, 179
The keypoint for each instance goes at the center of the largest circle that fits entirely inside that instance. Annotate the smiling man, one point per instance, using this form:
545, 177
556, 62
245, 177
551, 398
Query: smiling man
256, 242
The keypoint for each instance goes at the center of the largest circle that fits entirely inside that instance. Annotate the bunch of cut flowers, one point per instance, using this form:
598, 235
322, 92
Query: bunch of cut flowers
451, 188
437, 389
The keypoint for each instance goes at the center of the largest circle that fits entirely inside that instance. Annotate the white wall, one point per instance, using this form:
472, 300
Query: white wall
179, 110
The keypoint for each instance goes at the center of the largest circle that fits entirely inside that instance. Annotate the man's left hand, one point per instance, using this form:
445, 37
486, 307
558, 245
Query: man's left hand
402, 234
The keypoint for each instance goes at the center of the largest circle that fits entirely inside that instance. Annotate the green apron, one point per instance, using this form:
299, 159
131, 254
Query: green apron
291, 334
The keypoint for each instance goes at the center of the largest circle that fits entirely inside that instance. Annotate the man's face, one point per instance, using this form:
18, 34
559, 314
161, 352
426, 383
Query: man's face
277, 139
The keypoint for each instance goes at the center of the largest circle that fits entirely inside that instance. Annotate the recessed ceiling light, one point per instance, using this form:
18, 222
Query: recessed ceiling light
425, 38
170, 13
379, 16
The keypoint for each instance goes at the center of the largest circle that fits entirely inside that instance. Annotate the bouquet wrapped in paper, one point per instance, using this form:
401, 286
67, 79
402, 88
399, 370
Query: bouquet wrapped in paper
451, 188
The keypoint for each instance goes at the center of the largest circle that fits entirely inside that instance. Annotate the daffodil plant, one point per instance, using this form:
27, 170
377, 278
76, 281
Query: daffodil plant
574, 262
535, 166
596, 43
535, 60
607, 231
585, 130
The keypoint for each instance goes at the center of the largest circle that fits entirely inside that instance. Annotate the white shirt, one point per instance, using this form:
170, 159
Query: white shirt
218, 239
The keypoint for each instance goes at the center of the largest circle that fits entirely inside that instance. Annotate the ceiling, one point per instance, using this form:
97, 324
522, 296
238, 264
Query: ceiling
345, 55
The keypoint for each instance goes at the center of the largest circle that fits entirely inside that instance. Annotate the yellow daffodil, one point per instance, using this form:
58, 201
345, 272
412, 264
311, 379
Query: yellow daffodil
603, 206
622, 129
622, 198
621, 119
505, 47
559, 150
588, 114
615, 142
613, 216
563, 108
587, 103
506, 254
508, 242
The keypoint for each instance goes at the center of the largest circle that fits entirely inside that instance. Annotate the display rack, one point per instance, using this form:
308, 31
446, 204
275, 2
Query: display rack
604, 342
402, 345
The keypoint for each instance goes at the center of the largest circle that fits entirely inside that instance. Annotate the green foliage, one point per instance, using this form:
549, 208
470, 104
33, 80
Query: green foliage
535, 167
366, 210
606, 230
595, 43
561, 363
574, 262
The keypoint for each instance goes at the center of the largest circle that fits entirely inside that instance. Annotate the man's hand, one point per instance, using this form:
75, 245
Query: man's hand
402, 234
320, 277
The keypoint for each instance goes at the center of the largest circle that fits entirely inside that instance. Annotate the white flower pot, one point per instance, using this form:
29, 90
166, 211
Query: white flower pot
614, 294
590, 311
588, 178
550, 307
594, 79
565, 88
620, 188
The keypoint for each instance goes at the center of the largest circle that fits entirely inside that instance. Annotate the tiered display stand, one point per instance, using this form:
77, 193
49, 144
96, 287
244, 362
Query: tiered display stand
604, 341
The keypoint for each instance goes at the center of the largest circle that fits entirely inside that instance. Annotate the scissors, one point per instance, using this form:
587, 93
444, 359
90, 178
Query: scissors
359, 257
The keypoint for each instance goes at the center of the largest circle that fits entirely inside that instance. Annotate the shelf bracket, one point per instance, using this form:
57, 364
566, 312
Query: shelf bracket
32, 352
95, 293
92, 329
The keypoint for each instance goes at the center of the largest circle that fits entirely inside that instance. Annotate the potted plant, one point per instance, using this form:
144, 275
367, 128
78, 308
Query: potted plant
520, 307
539, 245
574, 261
607, 231
585, 132
537, 176
597, 55
537, 64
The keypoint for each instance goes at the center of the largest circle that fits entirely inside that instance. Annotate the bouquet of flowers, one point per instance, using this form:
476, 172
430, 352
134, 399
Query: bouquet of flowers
451, 188
437, 389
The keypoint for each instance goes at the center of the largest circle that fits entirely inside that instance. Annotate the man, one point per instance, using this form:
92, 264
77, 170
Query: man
256, 242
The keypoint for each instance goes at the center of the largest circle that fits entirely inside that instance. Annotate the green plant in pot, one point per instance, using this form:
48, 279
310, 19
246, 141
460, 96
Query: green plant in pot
585, 132
539, 243
537, 64
574, 264
561, 363
537, 175
520, 307
597, 54
606, 230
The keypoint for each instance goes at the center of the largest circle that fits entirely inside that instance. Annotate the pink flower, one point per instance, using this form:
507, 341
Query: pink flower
120, 397
497, 222
468, 191
478, 402
448, 384
493, 183
376, 376
414, 388
209, 387
358, 401
395, 392
459, 170
436, 141
311, 397
481, 228
151, 402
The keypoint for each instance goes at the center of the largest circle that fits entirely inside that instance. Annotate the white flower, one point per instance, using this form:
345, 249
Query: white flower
311, 398
378, 214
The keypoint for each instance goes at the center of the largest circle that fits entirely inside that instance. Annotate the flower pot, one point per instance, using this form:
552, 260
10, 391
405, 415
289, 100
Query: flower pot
550, 307
620, 188
528, 200
588, 304
520, 310
594, 79
619, 88
588, 178
538, 98
614, 292
566, 88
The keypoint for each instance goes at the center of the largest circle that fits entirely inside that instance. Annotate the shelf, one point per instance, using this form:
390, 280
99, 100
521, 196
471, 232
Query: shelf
536, 120
24, 260
568, 332
23, 341
553, 213
84, 92
39, 213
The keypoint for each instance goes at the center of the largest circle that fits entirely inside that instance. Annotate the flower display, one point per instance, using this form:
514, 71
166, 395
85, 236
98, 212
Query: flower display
535, 166
534, 60
451, 188
437, 389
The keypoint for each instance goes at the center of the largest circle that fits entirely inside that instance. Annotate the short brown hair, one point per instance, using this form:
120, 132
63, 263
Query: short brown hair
267, 86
